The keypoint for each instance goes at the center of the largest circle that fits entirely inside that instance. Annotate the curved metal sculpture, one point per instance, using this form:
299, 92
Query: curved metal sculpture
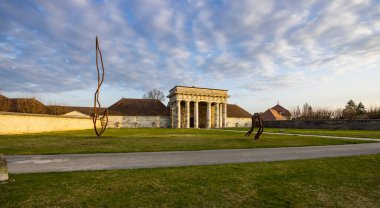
104, 118
261, 126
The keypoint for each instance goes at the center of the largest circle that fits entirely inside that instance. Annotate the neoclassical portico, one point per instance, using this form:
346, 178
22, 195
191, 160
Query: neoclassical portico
193, 107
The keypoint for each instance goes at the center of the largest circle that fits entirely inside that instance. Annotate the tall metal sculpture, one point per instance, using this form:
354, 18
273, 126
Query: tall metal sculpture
103, 118
261, 126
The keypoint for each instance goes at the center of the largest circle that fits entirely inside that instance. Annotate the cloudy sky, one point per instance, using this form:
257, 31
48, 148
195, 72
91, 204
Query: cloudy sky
322, 52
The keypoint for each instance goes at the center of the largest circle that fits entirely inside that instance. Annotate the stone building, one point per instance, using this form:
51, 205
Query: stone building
193, 107
138, 113
237, 116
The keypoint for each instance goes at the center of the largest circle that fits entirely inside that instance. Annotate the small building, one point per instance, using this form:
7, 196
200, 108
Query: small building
238, 117
282, 111
138, 113
194, 107
276, 113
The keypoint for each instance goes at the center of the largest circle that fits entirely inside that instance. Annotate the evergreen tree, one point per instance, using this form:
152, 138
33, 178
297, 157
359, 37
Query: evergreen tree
360, 109
350, 111
351, 105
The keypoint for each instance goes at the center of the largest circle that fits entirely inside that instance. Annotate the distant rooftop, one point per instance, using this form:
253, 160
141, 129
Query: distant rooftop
139, 107
237, 112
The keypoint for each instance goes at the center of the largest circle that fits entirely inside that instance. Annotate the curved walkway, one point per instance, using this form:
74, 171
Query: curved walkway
109, 161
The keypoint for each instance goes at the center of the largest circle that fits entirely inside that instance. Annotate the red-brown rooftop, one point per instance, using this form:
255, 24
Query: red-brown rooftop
237, 112
139, 107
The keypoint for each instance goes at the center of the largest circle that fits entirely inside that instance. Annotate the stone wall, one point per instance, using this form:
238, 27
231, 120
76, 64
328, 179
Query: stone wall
238, 122
139, 121
21, 123
325, 124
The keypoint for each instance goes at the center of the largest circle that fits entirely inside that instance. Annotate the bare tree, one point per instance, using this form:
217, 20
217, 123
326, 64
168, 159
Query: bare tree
338, 114
373, 112
296, 113
155, 94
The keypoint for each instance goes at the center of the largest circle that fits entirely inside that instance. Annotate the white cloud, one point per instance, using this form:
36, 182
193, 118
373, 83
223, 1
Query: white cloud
50, 44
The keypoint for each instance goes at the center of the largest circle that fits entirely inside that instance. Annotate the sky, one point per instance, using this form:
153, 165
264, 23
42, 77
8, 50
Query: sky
263, 52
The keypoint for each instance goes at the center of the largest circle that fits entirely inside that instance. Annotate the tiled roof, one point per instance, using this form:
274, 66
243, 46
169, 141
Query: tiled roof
237, 112
281, 110
139, 107
2, 97
271, 115
27, 105
5, 103
60, 110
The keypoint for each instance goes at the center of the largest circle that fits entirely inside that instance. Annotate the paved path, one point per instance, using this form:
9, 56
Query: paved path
307, 135
77, 162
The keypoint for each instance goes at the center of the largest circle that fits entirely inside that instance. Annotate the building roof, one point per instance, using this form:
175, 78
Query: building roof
281, 110
237, 112
271, 115
5, 103
60, 110
139, 107
197, 88
2, 97
76, 114
27, 105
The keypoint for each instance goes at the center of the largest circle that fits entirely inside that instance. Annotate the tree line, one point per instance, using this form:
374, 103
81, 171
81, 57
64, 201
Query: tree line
350, 111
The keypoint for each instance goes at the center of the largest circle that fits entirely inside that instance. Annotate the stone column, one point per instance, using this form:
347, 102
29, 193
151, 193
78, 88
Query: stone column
196, 113
216, 115
172, 115
224, 115
187, 106
220, 115
178, 112
3, 169
208, 115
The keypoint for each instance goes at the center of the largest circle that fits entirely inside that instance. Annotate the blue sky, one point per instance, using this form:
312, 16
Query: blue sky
320, 52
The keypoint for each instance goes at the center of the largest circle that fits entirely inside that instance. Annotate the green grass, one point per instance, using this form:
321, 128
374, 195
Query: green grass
147, 140
330, 182
325, 132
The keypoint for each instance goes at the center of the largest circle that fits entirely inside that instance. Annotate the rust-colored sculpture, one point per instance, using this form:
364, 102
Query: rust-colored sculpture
104, 118
261, 126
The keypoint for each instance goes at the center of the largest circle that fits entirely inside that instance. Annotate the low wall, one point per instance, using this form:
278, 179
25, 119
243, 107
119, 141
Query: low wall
239, 122
21, 123
325, 124
139, 121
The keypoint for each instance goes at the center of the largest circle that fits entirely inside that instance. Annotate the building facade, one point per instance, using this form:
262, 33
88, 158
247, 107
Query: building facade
238, 117
188, 107
193, 107
138, 113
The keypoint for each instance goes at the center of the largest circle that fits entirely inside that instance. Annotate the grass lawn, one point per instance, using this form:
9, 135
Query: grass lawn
146, 140
325, 132
329, 182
